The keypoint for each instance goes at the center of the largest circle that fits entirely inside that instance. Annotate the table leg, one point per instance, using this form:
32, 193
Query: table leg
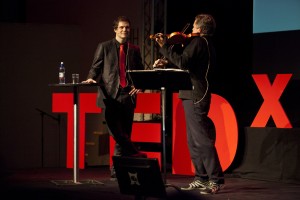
76, 135
163, 102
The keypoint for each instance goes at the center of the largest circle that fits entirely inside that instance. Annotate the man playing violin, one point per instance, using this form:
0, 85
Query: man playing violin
198, 57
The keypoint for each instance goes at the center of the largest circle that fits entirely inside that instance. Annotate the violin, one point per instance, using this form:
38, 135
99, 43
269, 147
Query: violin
176, 37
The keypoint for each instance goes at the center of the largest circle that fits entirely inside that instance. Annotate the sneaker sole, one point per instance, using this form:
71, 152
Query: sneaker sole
186, 189
208, 192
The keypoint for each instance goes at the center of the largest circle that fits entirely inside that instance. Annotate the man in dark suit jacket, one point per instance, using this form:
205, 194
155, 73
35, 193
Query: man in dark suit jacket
198, 57
117, 101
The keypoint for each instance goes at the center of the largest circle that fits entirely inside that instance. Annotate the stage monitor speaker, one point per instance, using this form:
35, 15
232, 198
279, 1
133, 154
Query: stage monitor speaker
139, 176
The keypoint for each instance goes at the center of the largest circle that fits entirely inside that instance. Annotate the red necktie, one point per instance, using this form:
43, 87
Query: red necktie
122, 66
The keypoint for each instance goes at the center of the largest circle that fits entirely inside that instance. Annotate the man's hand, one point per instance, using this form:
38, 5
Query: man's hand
160, 63
134, 91
89, 81
160, 39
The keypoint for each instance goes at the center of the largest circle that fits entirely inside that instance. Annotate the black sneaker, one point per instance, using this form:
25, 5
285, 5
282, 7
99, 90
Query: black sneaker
211, 188
113, 176
197, 184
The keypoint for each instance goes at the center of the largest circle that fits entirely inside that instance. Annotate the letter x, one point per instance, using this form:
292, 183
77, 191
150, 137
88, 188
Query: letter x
271, 105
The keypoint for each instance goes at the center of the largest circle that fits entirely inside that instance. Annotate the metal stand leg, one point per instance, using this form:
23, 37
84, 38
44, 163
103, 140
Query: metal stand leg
76, 137
75, 180
163, 102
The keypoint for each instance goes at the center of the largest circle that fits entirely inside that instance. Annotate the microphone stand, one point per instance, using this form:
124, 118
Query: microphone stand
58, 119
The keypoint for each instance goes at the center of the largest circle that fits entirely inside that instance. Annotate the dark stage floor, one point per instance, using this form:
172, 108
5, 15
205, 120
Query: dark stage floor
37, 184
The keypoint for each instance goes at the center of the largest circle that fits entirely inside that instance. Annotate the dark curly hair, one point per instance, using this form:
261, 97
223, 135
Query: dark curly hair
120, 19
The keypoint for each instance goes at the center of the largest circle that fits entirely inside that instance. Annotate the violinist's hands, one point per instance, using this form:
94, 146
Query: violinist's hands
134, 91
89, 81
160, 39
160, 63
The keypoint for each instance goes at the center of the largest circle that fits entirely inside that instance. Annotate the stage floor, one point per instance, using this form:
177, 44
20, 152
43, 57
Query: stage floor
47, 183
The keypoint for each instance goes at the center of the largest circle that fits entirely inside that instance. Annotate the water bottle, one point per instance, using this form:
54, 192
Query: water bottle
61, 75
